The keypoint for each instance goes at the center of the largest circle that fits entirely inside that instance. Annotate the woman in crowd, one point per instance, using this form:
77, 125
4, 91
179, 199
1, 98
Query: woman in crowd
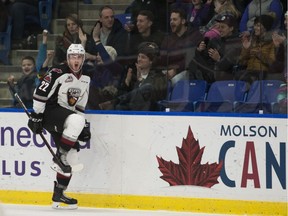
73, 33
258, 51
259, 7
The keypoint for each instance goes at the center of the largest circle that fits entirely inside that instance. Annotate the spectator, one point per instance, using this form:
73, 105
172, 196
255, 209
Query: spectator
18, 10
105, 72
44, 56
216, 58
157, 7
176, 47
222, 7
111, 32
259, 7
105, 78
198, 12
258, 51
143, 86
73, 33
26, 84
146, 32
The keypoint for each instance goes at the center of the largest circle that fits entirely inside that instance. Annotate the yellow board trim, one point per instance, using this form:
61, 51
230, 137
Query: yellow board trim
180, 204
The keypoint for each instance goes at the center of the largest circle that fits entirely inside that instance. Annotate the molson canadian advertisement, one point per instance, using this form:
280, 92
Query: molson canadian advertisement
217, 164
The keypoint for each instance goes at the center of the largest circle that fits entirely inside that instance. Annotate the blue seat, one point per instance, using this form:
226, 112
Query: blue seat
5, 43
184, 94
123, 18
262, 95
221, 96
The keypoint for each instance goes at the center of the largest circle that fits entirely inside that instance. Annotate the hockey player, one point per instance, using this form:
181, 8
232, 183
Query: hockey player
58, 106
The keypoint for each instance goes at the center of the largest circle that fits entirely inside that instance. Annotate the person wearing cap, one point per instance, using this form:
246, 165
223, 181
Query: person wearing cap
221, 7
215, 58
258, 51
142, 86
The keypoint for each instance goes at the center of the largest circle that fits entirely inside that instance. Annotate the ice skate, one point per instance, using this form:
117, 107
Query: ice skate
61, 154
60, 200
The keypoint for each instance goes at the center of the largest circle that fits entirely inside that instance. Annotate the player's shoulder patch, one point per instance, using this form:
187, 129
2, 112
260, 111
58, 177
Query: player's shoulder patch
53, 74
57, 70
48, 77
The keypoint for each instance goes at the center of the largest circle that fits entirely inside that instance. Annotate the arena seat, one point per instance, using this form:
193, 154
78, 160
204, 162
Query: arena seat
184, 94
221, 96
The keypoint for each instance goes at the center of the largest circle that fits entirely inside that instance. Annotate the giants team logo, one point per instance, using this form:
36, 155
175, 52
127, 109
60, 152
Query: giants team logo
69, 79
73, 95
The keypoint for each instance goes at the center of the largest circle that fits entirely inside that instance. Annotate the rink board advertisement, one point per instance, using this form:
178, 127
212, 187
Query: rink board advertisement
165, 156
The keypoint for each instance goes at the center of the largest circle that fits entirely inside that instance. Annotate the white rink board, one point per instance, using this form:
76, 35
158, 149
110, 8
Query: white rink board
121, 158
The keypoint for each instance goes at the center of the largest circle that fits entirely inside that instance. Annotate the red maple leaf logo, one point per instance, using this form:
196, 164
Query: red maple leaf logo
189, 171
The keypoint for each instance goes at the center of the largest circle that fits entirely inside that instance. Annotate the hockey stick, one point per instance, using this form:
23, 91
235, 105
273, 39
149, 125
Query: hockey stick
66, 169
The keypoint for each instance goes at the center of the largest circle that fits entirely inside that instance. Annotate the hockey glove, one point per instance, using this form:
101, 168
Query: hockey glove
35, 122
85, 134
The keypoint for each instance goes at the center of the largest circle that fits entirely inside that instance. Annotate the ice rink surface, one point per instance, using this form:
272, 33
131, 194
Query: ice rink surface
31, 210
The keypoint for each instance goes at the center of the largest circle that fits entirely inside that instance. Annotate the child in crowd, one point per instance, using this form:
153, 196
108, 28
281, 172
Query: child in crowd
26, 84
44, 57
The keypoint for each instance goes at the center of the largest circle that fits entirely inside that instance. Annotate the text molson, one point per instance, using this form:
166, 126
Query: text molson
272, 163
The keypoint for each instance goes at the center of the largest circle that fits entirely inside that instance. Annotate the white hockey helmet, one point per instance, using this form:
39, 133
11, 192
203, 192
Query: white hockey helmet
75, 49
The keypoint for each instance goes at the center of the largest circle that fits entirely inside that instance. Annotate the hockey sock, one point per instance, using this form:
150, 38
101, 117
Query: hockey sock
63, 180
